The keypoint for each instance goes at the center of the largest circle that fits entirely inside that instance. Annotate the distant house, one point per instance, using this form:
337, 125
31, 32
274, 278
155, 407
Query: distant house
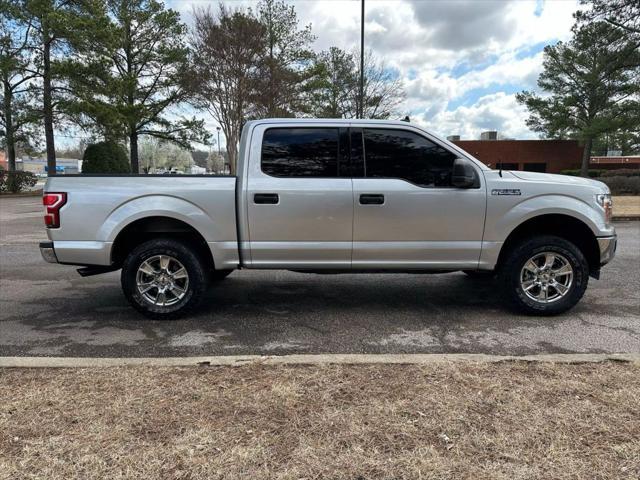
4, 162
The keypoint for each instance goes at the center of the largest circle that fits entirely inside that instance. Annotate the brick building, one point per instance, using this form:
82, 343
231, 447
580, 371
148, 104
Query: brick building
550, 156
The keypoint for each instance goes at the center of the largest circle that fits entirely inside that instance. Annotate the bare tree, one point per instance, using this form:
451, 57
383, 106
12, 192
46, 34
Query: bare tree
226, 47
383, 89
336, 88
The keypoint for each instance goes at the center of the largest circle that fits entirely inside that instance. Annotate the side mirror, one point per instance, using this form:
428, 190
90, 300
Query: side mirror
464, 174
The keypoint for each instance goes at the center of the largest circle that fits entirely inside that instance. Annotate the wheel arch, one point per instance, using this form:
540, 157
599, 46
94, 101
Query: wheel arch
564, 226
150, 227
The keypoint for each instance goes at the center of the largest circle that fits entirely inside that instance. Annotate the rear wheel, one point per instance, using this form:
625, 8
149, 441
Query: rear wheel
545, 275
163, 279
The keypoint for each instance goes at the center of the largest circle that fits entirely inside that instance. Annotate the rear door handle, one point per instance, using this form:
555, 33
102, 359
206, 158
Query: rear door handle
266, 199
371, 199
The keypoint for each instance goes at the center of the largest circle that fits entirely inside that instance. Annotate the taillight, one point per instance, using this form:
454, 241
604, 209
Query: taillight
53, 202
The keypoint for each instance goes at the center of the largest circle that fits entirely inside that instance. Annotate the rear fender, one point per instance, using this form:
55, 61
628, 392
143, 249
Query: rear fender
158, 206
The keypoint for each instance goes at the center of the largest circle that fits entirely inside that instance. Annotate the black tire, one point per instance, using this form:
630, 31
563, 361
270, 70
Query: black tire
480, 274
513, 268
194, 288
219, 275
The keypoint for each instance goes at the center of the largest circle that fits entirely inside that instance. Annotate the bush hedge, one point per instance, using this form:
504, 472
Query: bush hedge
620, 185
596, 173
593, 173
622, 172
105, 157
16, 182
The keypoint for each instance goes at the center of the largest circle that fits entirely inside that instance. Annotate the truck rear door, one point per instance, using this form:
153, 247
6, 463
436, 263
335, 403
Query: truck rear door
407, 215
299, 197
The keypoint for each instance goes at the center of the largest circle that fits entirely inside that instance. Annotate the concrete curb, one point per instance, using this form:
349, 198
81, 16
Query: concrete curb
326, 359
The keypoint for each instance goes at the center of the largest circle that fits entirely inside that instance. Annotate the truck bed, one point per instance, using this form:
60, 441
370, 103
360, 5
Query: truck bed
99, 207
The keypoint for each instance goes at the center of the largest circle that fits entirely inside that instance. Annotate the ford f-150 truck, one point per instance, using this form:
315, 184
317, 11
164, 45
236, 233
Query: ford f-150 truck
334, 196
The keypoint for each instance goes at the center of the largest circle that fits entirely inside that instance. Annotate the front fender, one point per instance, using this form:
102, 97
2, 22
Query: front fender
504, 217
501, 222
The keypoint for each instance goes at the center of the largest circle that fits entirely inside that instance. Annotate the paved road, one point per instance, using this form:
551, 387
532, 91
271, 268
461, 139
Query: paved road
50, 310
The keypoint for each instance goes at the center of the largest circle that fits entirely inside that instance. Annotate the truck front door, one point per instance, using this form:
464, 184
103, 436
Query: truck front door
300, 198
407, 214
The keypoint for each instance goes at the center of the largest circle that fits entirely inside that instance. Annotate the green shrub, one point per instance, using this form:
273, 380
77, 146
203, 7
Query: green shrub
15, 182
622, 172
622, 185
105, 157
593, 173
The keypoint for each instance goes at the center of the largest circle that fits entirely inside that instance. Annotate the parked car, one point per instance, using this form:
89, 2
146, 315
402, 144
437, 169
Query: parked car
334, 196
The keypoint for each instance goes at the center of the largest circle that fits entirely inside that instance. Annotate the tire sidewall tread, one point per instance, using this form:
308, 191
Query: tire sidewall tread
198, 278
514, 261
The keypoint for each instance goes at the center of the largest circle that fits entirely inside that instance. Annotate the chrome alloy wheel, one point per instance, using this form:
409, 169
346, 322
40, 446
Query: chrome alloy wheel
546, 277
162, 280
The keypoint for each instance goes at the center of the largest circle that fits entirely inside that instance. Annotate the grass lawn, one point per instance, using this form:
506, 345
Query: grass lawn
511, 420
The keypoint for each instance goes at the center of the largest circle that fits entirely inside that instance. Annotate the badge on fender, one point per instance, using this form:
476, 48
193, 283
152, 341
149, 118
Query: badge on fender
506, 191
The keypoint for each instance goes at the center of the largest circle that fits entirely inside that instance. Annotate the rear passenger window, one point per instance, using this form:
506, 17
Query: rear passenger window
406, 155
300, 152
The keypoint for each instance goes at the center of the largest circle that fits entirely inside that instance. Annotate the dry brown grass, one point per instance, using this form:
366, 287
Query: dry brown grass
462, 420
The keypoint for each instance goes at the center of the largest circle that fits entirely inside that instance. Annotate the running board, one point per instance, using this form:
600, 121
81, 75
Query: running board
96, 270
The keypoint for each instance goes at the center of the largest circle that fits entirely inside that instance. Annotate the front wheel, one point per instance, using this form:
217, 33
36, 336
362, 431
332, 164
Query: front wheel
545, 275
163, 279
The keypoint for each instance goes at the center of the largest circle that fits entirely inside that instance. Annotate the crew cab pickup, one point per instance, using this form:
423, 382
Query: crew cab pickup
334, 196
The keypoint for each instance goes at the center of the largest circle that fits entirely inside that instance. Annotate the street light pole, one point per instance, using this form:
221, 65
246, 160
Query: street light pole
218, 129
361, 112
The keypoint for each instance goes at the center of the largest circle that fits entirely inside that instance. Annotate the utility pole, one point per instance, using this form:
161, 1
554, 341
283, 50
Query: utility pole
361, 112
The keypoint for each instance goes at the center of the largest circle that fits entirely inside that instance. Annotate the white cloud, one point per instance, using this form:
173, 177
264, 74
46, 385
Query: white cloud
479, 51
497, 111
460, 60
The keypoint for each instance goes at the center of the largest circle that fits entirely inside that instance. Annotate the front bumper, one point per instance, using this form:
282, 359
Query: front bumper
608, 247
48, 253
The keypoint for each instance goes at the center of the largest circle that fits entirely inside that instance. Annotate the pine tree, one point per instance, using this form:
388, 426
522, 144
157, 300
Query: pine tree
133, 73
591, 86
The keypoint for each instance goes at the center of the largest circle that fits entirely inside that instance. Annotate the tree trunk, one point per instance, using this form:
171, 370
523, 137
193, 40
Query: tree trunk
133, 147
586, 157
9, 133
232, 153
48, 106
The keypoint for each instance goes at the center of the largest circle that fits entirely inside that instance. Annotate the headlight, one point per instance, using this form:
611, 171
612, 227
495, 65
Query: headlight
605, 201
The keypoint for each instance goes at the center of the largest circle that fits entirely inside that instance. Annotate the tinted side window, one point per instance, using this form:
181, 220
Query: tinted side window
300, 152
406, 155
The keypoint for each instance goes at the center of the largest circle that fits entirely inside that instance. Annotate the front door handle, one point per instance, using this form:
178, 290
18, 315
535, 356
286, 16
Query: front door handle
266, 198
371, 199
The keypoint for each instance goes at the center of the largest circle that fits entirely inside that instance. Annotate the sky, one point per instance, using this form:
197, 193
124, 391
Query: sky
461, 61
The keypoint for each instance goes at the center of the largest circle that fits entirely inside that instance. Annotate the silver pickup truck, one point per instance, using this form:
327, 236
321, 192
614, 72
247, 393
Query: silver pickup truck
334, 196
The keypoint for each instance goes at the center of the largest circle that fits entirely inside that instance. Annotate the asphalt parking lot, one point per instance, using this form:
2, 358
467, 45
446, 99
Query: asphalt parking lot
50, 310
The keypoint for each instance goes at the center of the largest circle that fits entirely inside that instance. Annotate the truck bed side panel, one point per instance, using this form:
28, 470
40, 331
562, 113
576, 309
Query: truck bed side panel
99, 207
